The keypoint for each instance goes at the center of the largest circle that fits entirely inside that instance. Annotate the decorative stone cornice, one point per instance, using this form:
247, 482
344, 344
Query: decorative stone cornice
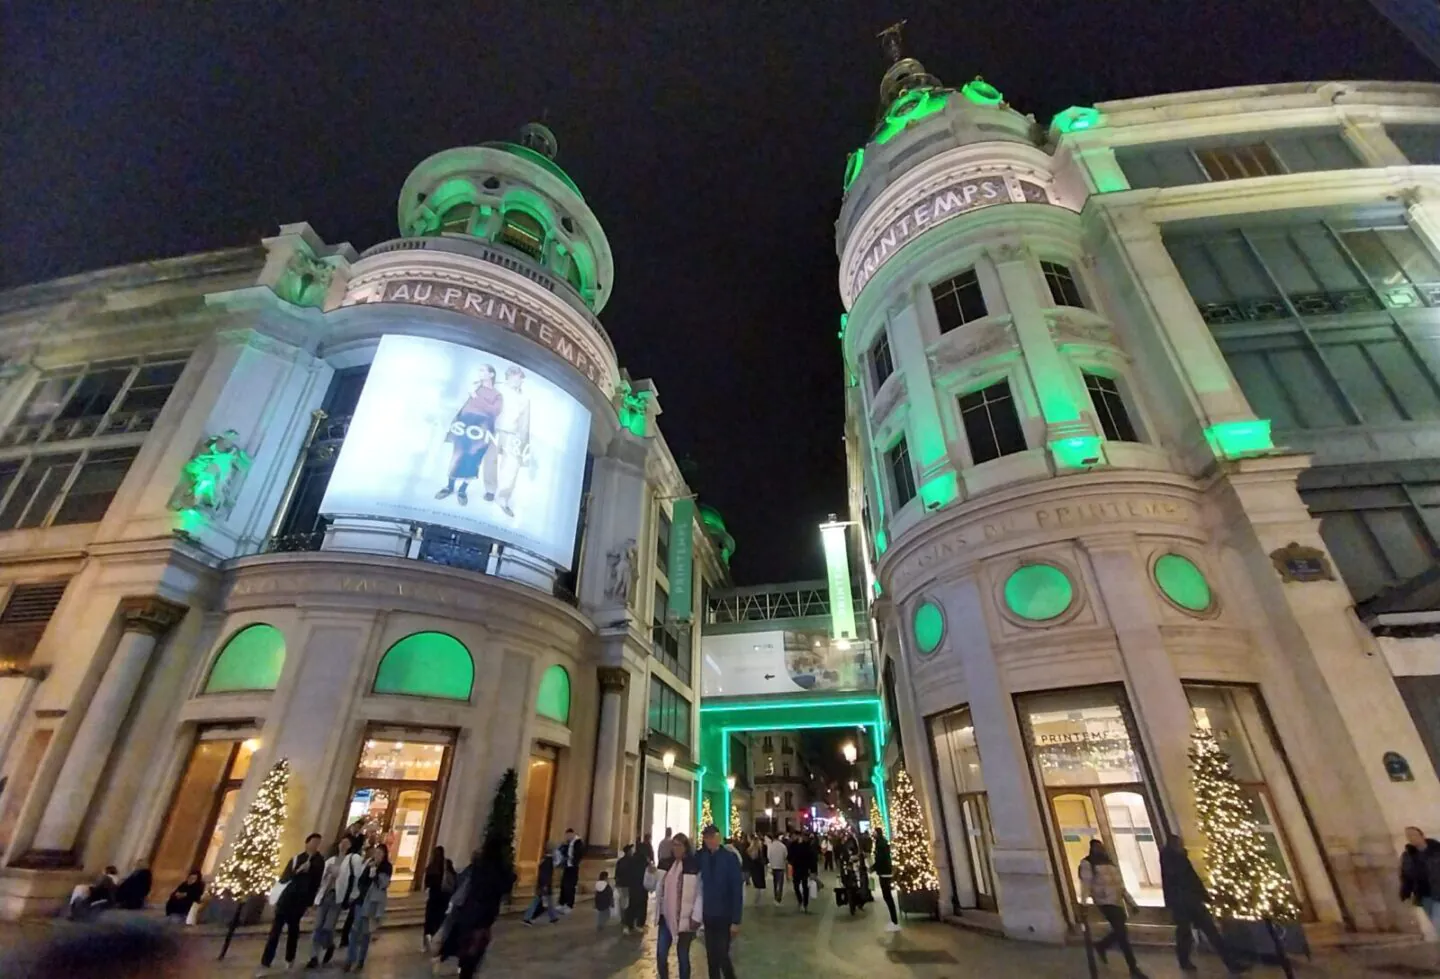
613, 678
150, 615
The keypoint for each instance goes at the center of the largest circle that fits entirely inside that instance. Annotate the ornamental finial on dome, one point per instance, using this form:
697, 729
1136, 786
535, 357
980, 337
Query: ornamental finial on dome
537, 136
903, 74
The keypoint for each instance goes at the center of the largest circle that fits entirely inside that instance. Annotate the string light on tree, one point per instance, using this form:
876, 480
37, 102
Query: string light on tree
254, 865
707, 813
1245, 884
875, 819
910, 845
735, 827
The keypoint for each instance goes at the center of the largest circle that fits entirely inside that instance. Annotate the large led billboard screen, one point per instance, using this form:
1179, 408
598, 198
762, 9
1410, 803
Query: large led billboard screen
448, 435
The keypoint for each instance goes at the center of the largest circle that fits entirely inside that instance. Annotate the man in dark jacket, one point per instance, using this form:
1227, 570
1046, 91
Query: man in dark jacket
544, 879
802, 865
630, 879
1186, 897
1420, 872
570, 853
301, 878
646, 850
722, 892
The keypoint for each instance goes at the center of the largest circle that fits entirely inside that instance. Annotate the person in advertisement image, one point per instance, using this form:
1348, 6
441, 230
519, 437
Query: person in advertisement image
463, 438
472, 434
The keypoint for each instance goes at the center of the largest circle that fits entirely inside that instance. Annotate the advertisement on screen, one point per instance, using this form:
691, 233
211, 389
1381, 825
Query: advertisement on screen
448, 435
783, 662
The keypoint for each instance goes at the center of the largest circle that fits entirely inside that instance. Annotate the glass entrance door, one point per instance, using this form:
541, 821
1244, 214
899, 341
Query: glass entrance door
975, 813
395, 795
539, 798
1120, 819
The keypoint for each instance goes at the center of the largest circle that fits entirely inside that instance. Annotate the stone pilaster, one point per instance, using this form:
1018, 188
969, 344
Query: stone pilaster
613, 681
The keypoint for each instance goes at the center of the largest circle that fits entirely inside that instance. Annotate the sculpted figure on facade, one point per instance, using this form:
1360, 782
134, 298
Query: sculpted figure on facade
620, 573
212, 475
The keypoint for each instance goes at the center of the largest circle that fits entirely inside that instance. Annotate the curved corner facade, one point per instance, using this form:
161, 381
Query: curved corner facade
399, 518
1125, 399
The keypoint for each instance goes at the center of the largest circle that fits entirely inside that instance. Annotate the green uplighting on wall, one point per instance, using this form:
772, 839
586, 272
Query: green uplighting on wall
251, 660
937, 492
844, 322
929, 626
1038, 592
853, 165
882, 543
910, 107
1076, 118
553, 700
981, 92
1182, 582
427, 664
1234, 440
1078, 452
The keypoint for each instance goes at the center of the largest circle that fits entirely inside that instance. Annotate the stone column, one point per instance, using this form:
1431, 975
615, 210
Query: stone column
1157, 699
613, 680
147, 619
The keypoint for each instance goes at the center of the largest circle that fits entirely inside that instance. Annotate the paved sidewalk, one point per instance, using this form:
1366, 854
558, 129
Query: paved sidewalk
775, 943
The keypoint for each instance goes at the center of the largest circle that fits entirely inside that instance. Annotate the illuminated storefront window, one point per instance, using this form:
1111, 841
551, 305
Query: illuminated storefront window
398, 784
1087, 759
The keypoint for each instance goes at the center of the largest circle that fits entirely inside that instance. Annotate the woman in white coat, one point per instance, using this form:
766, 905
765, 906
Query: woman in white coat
677, 899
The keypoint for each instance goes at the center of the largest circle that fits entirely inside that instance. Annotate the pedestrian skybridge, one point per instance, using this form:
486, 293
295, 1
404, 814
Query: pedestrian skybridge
784, 658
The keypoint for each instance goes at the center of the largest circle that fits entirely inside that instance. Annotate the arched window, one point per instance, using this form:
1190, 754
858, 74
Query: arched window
251, 660
457, 219
427, 664
523, 231
553, 700
574, 277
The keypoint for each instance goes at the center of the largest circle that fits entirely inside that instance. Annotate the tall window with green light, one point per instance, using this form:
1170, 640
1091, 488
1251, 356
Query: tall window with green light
992, 425
1110, 408
881, 364
902, 477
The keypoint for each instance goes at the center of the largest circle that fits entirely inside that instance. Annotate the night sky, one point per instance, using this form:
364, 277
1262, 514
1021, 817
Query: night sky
710, 143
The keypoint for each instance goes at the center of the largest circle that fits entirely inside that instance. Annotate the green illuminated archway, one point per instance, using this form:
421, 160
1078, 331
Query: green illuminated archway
251, 660
553, 701
427, 664
719, 719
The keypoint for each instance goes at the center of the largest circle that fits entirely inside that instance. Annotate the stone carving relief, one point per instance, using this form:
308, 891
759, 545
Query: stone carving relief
891, 393
1065, 329
212, 476
970, 344
306, 280
620, 573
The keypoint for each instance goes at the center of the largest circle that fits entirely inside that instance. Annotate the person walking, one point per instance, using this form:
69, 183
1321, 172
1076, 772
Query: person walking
646, 850
544, 886
777, 855
799, 857
1101, 882
676, 891
570, 852
827, 850
1186, 897
722, 901
757, 868
301, 878
439, 885
374, 899
884, 868
339, 886
630, 882
487, 880
359, 843
604, 900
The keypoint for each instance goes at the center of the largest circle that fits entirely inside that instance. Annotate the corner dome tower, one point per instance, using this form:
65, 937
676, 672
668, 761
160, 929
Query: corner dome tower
514, 196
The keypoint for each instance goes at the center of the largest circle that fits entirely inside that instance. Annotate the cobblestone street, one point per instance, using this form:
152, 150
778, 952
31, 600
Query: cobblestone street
775, 943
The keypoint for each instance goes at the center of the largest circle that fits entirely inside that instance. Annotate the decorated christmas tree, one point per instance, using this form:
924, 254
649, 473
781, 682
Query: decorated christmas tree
910, 846
1245, 884
707, 813
875, 818
735, 828
254, 865
501, 825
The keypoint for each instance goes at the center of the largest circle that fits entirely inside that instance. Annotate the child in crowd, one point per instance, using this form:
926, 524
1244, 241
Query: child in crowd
604, 900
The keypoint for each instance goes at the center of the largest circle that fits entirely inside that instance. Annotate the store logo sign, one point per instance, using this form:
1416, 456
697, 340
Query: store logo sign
949, 201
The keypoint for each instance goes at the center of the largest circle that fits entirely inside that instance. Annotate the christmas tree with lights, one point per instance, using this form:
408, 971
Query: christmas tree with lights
735, 827
910, 846
254, 865
875, 818
1245, 884
707, 814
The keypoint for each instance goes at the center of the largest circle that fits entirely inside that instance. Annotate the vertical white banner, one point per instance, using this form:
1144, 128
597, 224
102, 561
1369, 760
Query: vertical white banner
837, 573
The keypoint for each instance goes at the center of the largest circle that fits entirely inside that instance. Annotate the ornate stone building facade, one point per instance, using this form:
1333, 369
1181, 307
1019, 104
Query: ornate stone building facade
398, 517
1124, 394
